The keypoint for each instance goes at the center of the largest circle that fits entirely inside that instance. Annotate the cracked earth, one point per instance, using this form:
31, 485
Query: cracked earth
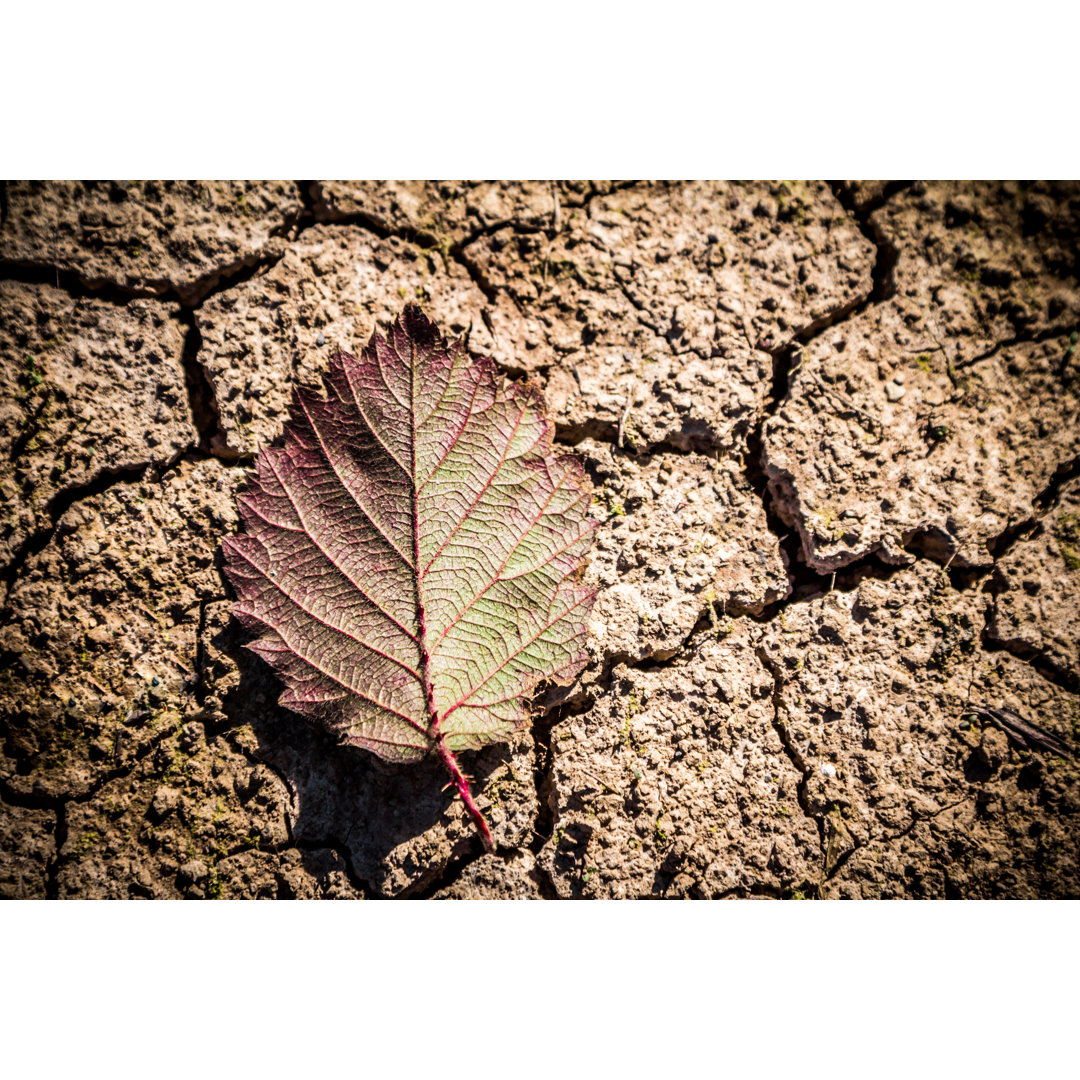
833, 434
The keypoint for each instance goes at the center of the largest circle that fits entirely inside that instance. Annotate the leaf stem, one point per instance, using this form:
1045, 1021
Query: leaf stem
462, 785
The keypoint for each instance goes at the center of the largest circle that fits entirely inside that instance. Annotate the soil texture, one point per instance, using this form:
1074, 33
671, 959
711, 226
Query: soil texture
834, 438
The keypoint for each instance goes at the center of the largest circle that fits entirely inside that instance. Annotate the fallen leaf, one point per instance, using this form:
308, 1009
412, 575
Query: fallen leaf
412, 553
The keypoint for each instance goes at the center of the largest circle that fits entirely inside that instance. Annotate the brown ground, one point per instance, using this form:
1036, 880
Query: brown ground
833, 431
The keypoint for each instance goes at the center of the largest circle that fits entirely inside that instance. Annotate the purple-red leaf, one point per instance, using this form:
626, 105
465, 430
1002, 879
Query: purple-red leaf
412, 552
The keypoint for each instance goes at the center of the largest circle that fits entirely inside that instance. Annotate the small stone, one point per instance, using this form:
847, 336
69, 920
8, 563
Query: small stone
101, 748
828, 771
899, 378
993, 748
194, 871
321, 339
191, 734
164, 802
894, 392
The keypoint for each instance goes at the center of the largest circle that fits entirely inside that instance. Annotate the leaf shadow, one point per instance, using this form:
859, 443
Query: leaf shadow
394, 824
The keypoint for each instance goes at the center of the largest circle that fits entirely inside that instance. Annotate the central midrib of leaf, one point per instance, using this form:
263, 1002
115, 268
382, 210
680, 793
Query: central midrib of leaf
425, 658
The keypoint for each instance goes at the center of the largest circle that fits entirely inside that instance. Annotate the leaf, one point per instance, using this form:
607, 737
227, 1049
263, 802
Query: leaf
412, 552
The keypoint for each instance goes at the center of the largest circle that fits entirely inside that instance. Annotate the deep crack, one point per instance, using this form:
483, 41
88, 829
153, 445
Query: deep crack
202, 398
792, 752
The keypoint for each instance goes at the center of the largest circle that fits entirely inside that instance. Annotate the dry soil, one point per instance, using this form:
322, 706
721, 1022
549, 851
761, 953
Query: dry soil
833, 433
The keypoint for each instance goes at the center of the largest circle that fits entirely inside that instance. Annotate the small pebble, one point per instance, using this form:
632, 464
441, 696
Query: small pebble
321, 339
828, 770
898, 378
894, 392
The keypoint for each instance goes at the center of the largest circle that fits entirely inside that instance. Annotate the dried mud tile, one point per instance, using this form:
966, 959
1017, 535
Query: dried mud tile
875, 685
329, 291
1036, 586
684, 540
986, 262
155, 236
761, 261
86, 388
870, 681
660, 301
161, 830
603, 373
1014, 838
680, 786
102, 626
640, 396
882, 445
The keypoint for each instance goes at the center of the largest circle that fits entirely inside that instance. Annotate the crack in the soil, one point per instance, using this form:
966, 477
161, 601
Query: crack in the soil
189, 296
59, 803
199, 689
544, 779
1038, 660
28, 800
1047, 333
364, 888
76, 287
79, 287
462, 855
202, 398
887, 254
1049, 496
52, 869
790, 749
888, 838
62, 501
121, 772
